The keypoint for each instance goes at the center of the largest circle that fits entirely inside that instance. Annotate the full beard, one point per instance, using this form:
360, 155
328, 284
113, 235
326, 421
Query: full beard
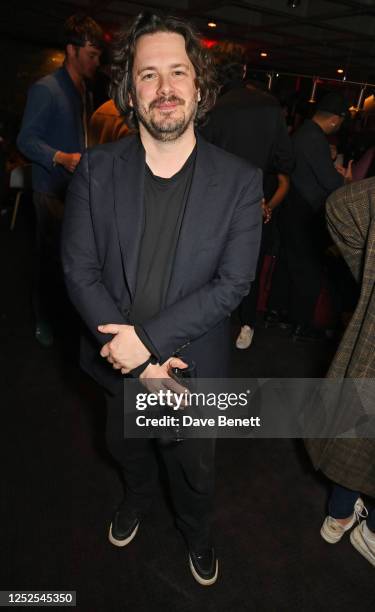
166, 129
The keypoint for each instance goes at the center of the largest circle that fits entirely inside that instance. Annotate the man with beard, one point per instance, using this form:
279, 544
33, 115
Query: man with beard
160, 243
53, 136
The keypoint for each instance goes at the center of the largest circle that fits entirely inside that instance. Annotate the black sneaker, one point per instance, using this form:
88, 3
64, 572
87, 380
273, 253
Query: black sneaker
204, 566
271, 318
276, 318
124, 526
44, 333
306, 333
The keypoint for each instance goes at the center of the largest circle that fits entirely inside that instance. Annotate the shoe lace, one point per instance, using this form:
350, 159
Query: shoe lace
360, 511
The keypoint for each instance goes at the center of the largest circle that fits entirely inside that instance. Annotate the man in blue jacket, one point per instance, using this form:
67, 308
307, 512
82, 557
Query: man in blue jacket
53, 136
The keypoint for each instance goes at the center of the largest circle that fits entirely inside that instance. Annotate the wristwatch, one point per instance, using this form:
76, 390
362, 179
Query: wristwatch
136, 372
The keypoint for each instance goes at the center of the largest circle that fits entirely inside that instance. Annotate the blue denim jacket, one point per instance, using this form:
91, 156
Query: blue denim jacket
52, 122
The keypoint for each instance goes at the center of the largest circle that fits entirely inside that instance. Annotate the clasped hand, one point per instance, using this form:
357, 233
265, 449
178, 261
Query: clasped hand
125, 351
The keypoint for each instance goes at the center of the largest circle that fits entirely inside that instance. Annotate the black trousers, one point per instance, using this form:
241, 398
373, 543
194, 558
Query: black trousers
50, 301
279, 297
305, 238
296, 280
48, 280
190, 469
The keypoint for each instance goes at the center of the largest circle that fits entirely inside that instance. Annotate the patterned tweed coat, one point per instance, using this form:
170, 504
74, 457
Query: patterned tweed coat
351, 222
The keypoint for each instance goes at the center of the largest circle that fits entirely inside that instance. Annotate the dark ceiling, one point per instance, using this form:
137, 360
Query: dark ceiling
315, 37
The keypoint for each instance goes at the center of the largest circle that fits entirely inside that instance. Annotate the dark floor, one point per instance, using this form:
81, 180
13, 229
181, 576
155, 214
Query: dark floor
58, 488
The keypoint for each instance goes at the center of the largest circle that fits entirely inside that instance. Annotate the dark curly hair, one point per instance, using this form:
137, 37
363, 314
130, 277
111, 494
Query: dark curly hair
123, 58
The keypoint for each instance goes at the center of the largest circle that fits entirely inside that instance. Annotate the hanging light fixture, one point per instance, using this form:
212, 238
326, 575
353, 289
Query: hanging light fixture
361, 99
270, 76
313, 91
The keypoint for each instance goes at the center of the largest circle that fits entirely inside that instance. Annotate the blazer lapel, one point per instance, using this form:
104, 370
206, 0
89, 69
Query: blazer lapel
203, 191
129, 207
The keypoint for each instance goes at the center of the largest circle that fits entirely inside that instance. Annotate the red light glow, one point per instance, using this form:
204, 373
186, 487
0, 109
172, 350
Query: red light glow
208, 43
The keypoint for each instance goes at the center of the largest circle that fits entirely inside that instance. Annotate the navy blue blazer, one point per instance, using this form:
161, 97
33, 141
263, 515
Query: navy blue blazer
52, 122
214, 264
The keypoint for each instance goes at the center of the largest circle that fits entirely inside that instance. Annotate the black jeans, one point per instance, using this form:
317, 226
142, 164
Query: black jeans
190, 469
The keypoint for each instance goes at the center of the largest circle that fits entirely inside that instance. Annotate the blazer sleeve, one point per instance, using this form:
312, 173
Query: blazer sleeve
195, 314
350, 212
31, 140
81, 266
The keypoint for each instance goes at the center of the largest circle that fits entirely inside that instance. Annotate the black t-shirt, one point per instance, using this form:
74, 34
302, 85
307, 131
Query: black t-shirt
164, 202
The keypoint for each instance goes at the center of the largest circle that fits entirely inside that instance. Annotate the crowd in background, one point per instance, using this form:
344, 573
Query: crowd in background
309, 274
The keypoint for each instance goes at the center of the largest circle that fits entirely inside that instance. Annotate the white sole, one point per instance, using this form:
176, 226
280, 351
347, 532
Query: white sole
199, 578
336, 537
360, 545
125, 542
330, 539
241, 344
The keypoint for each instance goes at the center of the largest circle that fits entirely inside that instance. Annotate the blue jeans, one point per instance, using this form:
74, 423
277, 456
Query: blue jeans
341, 504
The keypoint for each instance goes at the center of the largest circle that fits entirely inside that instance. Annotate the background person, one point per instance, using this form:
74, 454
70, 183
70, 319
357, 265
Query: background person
303, 226
106, 125
53, 136
249, 122
350, 463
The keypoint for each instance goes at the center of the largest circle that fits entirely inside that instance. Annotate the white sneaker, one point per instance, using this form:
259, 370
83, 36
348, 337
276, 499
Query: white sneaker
245, 337
332, 531
364, 541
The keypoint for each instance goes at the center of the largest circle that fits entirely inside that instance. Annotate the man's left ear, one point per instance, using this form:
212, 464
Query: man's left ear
199, 95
